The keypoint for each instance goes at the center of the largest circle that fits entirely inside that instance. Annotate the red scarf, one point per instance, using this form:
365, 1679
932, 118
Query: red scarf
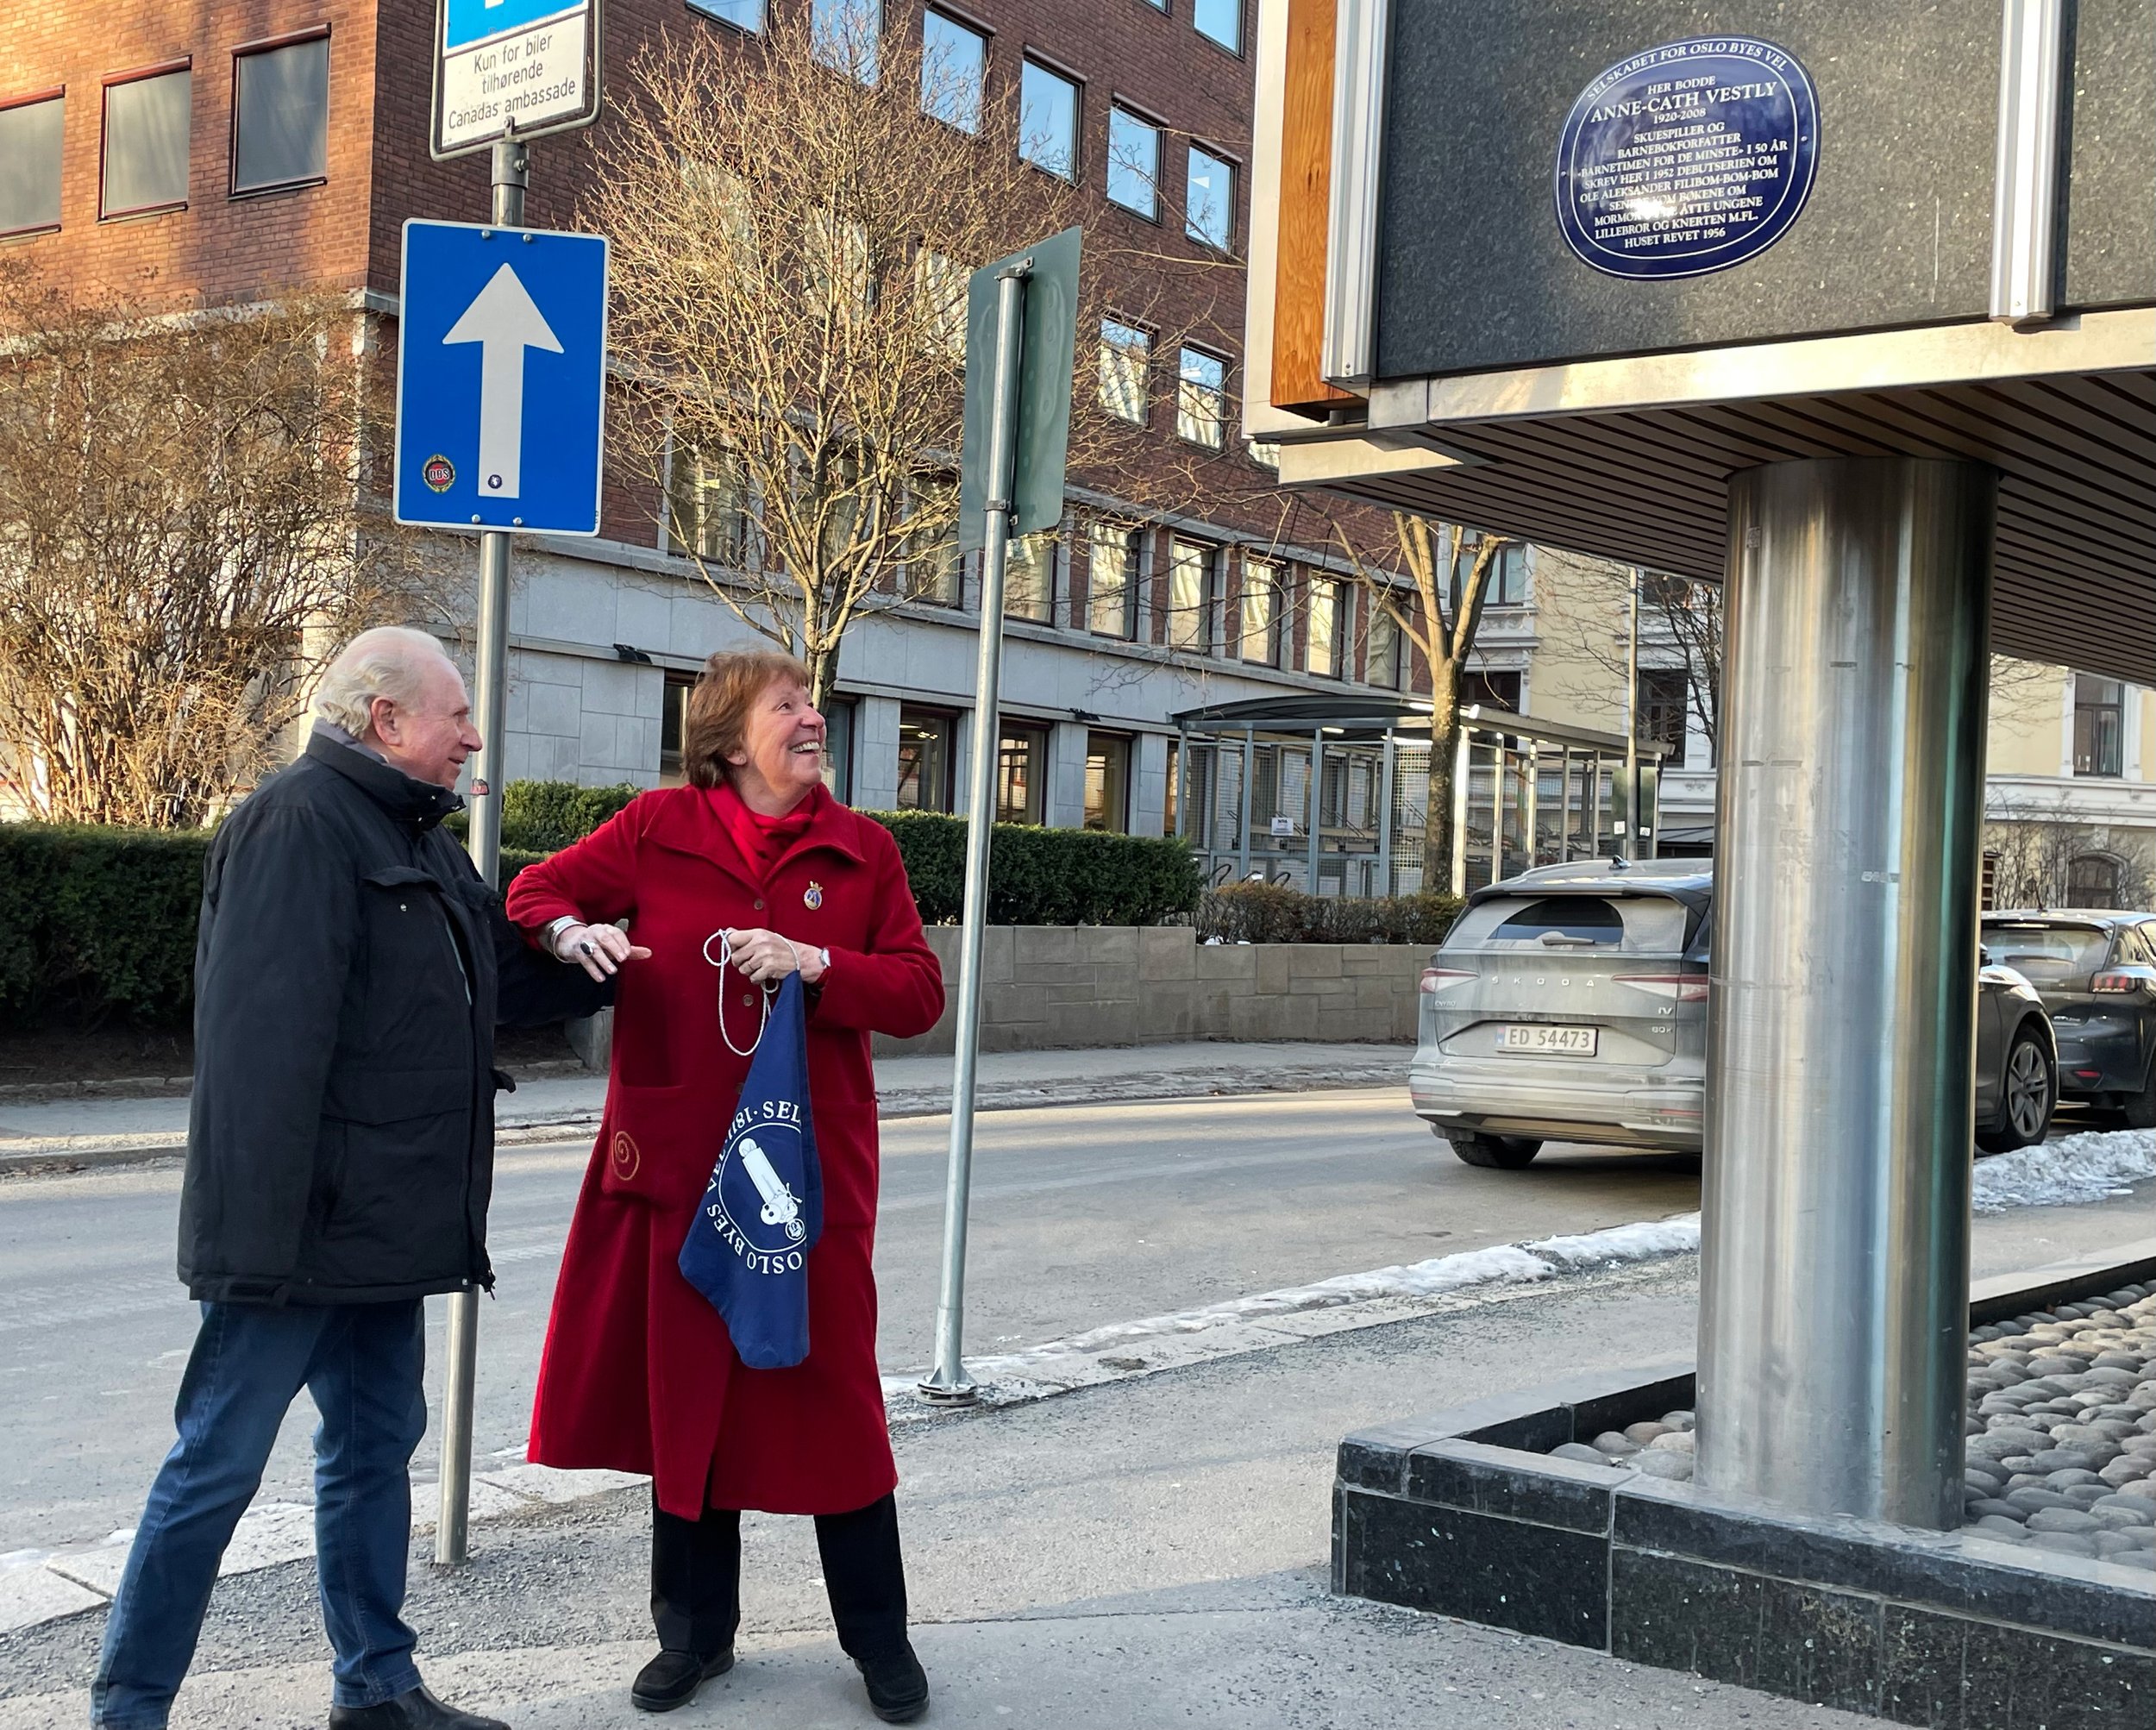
762, 840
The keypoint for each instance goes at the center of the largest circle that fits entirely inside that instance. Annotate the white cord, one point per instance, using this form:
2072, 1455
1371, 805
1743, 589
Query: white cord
763, 1020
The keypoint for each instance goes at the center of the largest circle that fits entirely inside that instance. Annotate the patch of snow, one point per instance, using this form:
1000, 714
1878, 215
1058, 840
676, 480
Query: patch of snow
1502, 1264
2091, 1167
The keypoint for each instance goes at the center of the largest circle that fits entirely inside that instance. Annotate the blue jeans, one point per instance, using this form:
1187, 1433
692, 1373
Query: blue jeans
362, 1362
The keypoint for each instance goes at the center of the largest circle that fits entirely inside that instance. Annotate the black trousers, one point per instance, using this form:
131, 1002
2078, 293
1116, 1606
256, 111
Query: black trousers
696, 1579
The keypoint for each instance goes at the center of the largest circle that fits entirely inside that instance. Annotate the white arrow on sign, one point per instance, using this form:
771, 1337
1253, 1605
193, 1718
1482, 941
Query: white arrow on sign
504, 321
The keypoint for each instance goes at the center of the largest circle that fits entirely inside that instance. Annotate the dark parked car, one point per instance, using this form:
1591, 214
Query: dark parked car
2097, 974
1570, 1004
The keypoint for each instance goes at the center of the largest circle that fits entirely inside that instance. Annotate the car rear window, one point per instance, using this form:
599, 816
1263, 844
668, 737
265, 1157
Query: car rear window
1632, 924
2047, 951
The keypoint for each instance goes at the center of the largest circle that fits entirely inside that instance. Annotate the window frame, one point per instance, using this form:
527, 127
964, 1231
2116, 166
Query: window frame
271, 44
948, 737
1105, 531
868, 73
2115, 707
1260, 576
1144, 347
1074, 175
1115, 788
1380, 617
964, 27
33, 99
1672, 702
1328, 594
1151, 212
1242, 35
1224, 242
708, 9
1037, 737
1053, 540
1205, 640
184, 66
1184, 384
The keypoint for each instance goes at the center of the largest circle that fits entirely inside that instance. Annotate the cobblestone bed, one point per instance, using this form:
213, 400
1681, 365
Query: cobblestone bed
2061, 1433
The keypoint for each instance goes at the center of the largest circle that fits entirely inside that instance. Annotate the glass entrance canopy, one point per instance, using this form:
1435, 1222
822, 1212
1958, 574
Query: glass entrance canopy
1330, 793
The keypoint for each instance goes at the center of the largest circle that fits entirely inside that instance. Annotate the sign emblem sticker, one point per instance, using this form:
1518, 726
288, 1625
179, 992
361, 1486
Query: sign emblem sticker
813, 897
1688, 158
757, 1212
439, 473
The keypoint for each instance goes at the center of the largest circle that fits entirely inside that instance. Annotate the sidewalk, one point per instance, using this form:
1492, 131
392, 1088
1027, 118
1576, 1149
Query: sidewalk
90, 1131
1147, 1554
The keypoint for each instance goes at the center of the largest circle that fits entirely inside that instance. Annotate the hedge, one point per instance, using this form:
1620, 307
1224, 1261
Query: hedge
1045, 876
1275, 913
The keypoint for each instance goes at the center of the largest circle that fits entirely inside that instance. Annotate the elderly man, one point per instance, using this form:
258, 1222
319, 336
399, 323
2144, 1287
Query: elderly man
340, 1157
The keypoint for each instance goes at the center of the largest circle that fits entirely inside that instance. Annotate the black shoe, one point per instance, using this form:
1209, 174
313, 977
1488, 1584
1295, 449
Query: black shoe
671, 1678
413, 1709
898, 1686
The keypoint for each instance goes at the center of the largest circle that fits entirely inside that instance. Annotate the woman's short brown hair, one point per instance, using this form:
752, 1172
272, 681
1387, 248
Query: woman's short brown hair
715, 717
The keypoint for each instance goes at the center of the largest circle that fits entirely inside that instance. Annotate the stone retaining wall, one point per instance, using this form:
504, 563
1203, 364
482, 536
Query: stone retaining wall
1061, 986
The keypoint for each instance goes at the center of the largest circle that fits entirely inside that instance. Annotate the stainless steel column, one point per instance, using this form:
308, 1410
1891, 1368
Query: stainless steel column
1833, 1301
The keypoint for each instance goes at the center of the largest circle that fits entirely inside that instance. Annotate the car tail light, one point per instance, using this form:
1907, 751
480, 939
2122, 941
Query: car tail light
2115, 982
1678, 988
1436, 979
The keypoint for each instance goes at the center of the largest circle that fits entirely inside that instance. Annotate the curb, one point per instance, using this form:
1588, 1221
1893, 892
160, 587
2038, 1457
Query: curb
60, 1155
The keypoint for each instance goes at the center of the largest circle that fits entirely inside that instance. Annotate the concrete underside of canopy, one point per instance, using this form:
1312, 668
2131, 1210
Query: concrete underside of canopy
2075, 558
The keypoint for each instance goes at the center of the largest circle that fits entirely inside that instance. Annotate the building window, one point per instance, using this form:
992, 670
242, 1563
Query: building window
1495, 690
2093, 880
926, 757
1126, 355
936, 570
742, 14
838, 747
939, 285
953, 61
1029, 578
280, 117
1327, 627
1209, 199
2099, 726
1048, 121
1261, 613
1133, 164
29, 164
673, 710
1660, 711
1108, 782
843, 35
1221, 20
1190, 597
1508, 581
1382, 656
145, 163
1021, 773
1201, 399
1111, 560
707, 508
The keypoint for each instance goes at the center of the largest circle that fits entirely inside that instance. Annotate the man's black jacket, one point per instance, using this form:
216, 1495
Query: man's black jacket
351, 967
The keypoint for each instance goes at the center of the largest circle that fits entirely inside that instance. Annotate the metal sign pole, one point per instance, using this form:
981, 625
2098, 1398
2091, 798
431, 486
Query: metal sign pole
1629, 847
453, 1523
947, 1381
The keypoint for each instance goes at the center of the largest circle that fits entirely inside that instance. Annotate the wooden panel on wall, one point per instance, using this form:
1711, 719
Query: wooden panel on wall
1306, 179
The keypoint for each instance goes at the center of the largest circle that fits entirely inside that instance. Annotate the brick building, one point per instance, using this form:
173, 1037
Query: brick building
227, 150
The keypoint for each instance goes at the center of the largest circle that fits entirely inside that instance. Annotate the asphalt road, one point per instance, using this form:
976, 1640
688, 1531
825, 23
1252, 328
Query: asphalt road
1082, 1216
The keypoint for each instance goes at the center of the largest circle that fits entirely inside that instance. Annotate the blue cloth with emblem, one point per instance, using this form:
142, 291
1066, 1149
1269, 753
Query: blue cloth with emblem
747, 1249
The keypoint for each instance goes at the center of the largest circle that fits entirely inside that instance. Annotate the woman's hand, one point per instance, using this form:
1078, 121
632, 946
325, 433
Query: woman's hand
765, 956
599, 949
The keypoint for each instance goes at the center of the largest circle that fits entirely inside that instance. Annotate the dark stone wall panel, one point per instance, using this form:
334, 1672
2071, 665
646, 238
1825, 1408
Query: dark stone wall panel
1953, 1673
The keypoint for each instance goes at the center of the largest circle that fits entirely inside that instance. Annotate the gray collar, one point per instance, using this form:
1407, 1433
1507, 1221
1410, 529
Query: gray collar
327, 729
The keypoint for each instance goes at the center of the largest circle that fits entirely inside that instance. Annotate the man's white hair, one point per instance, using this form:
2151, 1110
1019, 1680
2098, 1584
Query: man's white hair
390, 660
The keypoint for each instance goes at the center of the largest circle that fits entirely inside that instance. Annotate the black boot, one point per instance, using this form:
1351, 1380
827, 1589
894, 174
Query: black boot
898, 1686
671, 1678
414, 1709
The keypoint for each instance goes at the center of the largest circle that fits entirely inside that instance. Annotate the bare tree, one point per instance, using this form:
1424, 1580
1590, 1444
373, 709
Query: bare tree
2034, 846
1681, 629
1439, 611
185, 533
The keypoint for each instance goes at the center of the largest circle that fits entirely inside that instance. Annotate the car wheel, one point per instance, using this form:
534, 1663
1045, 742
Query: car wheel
1495, 1153
2028, 1088
2138, 1111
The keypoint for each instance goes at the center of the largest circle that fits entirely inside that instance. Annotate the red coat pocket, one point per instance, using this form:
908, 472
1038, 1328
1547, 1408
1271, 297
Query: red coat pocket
658, 1145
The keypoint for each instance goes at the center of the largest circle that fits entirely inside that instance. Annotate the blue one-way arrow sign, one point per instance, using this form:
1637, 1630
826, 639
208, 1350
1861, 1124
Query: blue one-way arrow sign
501, 369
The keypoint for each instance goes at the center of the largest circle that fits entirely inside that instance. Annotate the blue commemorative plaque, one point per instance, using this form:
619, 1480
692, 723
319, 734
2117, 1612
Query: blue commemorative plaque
1687, 158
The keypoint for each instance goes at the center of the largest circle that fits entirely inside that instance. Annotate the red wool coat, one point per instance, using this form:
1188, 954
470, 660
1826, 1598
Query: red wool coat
638, 1373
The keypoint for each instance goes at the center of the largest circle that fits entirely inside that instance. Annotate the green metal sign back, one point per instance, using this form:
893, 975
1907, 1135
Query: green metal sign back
1048, 352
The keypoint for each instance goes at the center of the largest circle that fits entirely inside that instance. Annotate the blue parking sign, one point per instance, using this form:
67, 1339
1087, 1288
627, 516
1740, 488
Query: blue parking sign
501, 379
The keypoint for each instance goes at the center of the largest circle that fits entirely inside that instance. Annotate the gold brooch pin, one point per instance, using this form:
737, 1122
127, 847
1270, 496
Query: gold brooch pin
813, 897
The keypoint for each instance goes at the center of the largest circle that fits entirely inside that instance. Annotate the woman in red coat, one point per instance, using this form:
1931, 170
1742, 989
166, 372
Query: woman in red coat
639, 1373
